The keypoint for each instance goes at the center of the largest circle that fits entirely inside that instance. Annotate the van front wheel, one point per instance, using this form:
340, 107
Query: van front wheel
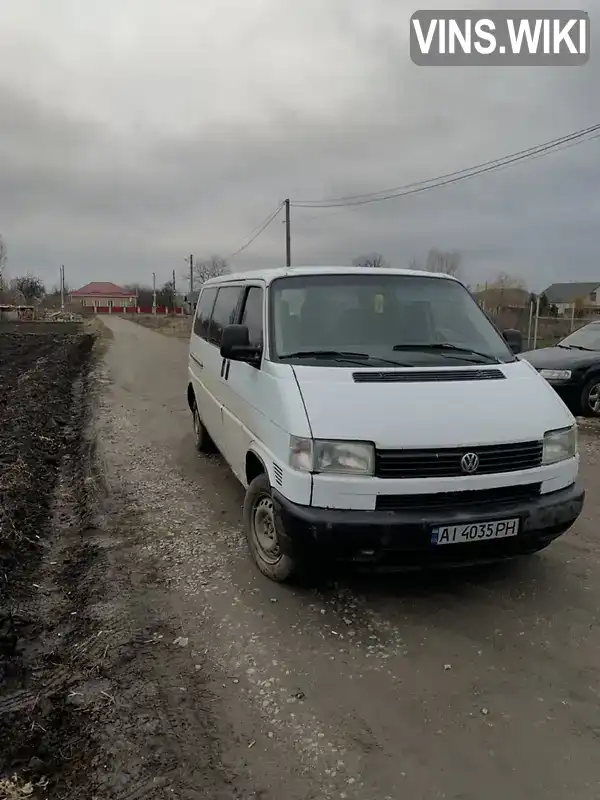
262, 533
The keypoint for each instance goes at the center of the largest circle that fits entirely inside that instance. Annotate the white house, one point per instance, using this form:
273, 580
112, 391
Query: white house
566, 296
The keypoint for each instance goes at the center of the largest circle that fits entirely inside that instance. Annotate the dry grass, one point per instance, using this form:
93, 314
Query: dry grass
178, 326
96, 326
102, 333
15, 789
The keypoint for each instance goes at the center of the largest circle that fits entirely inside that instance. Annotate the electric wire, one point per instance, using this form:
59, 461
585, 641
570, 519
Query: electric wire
345, 208
530, 153
256, 232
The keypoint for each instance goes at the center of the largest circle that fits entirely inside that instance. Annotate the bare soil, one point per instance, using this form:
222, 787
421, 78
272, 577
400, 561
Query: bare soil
42, 417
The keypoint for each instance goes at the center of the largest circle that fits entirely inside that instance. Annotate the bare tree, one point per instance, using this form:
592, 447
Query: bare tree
370, 260
207, 268
52, 298
30, 287
445, 261
145, 294
506, 281
165, 296
504, 290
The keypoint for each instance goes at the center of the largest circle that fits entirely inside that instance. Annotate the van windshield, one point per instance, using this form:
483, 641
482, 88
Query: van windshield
379, 320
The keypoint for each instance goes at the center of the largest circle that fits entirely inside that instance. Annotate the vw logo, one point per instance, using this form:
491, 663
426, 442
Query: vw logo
469, 463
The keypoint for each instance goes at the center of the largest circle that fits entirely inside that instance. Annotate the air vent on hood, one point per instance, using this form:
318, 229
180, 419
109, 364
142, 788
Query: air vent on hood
423, 376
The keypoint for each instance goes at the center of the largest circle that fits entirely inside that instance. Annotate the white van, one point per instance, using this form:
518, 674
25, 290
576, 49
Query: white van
377, 416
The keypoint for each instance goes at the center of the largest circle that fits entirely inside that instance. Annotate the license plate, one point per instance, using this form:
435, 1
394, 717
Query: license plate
474, 532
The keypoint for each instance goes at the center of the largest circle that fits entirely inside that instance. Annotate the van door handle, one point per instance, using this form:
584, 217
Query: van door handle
198, 362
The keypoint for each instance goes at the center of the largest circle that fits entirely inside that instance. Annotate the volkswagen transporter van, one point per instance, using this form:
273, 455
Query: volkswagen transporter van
377, 416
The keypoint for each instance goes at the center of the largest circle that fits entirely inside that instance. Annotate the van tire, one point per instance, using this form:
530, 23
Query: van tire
260, 526
204, 444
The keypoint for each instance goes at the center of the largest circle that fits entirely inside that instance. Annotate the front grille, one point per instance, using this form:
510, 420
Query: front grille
430, 375
445, 463
464, 500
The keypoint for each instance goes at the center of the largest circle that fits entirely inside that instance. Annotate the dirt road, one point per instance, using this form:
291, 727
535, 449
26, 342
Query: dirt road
486, 685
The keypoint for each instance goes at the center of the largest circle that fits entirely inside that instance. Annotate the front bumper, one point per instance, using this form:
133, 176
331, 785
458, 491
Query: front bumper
403, 538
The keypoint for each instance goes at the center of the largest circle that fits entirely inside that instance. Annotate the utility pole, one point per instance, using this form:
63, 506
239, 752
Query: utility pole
537, 319
288, 235
191, 276
173, 291
62, 288
154, 292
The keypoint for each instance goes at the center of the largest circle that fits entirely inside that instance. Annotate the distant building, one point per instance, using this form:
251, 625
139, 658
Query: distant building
103, 295
567, 296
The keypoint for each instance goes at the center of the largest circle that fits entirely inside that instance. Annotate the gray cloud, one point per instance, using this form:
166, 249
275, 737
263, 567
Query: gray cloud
132, 136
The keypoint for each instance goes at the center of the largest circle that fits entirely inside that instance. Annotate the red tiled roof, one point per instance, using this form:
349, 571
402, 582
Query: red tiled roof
102, 290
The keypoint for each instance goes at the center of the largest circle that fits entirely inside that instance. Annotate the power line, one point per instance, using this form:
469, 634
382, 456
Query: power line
526, 151
563, 142
344, 208
531, 152
257, 232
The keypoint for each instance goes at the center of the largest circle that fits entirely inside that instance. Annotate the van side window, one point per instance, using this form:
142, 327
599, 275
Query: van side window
224, 312
252, 315
203, 312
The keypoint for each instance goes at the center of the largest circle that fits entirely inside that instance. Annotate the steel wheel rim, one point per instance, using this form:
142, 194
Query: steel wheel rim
264, 531
196, 423
594, 398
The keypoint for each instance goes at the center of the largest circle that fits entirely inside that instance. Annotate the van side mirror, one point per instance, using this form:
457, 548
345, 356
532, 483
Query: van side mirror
235, 345
514, 339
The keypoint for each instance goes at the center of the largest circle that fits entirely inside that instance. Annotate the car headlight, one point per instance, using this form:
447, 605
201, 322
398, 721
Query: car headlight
559, 445
338, 457
556, 374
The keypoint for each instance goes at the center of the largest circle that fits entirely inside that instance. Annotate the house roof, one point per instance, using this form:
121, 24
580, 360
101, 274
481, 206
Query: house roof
102, 290
569, 292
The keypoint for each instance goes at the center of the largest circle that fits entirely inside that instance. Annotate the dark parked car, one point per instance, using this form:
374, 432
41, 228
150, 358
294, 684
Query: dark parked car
572, 367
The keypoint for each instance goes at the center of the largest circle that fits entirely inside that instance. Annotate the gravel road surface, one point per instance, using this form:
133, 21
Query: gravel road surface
485, 684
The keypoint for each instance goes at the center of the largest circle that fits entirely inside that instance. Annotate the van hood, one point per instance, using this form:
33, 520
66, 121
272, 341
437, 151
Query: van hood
427, 413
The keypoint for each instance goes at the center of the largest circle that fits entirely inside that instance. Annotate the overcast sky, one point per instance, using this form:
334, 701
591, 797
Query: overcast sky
135, 132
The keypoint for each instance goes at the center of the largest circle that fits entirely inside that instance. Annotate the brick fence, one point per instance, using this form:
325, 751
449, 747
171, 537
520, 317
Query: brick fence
134, 310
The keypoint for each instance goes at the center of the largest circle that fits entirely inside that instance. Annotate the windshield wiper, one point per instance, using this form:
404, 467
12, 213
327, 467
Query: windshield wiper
577, 347
340, 355
446, 346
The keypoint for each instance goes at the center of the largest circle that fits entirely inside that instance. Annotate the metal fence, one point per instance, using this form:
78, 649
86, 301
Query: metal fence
539, 330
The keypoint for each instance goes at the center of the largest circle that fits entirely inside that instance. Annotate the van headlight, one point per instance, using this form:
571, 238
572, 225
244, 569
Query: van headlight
337, 457
559, 445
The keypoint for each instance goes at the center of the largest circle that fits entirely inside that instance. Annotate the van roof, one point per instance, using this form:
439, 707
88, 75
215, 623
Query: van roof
269, 275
